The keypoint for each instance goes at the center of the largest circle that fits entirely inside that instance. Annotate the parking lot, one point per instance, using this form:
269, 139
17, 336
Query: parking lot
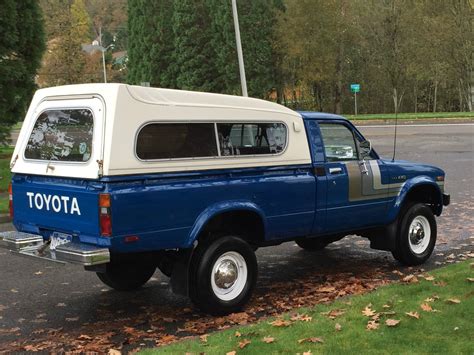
50, 307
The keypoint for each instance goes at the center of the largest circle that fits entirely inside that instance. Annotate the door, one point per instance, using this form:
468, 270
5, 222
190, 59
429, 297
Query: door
356, 198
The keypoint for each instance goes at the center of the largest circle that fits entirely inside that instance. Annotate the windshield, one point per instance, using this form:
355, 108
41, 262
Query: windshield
62, 135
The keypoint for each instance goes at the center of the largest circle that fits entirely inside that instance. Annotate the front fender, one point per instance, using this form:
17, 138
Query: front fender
218, 208
409, 186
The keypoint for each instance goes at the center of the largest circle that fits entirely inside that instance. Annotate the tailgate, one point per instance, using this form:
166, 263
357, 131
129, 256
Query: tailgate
46, 204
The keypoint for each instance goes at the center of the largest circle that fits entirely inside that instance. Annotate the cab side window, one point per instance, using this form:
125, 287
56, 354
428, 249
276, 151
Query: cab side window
339, 142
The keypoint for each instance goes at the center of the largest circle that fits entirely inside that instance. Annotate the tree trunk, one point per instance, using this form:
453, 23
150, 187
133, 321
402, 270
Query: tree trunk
435, 96
415, 94
470, 103
338, 86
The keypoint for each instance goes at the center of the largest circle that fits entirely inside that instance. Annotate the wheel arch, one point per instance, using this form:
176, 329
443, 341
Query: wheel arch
238, 216
421, 189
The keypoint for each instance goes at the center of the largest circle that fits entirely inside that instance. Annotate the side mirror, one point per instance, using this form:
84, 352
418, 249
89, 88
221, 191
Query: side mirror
365, 147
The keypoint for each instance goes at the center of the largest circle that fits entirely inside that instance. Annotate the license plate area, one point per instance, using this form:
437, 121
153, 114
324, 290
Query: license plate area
58, 239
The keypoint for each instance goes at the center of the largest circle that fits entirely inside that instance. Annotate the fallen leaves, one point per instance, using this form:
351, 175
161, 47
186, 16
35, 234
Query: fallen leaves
453, 301
9, 331
203, 338
368, 311
301, 318
280, 323
327, 289
426, 307
311, 340
244, 343
268, 340
372, 325
392, 322
334, 313
415, 315
338, 327
410, 279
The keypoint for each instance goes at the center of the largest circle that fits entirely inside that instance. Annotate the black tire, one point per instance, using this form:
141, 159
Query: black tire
237, 256
311, 244
126, 276
411, 246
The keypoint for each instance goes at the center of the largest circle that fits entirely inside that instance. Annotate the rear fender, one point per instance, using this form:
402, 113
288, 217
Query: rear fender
219, 208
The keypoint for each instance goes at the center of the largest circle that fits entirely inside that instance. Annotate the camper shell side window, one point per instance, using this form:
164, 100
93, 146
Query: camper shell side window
191, 140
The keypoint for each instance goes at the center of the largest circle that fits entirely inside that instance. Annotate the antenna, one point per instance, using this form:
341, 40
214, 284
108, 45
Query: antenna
395, 134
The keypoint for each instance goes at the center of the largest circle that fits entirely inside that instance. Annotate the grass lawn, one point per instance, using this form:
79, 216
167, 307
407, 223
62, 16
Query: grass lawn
411, 116
444, 326
5, 177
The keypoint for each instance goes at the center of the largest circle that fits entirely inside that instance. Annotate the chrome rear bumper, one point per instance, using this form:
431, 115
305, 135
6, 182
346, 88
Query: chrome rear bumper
33, 246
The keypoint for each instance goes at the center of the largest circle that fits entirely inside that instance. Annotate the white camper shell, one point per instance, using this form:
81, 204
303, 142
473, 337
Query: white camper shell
118, 113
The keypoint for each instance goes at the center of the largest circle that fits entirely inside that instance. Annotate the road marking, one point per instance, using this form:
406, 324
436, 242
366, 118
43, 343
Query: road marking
417, 125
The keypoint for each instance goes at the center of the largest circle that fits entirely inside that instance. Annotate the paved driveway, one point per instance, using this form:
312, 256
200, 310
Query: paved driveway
50, 307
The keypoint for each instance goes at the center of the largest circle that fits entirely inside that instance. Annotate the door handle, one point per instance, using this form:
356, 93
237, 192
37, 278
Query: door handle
335, 170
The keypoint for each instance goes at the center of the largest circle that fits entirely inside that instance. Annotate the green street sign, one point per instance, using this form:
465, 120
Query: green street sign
355, 87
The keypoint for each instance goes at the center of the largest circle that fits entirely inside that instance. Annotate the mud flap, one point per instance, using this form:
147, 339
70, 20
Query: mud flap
180, 273
385, 238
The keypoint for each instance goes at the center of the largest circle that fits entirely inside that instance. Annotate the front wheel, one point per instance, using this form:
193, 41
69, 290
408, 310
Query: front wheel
223, 275
126, 276
416, 235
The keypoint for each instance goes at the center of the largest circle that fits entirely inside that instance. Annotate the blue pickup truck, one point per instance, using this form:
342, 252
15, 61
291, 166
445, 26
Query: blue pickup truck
124, 180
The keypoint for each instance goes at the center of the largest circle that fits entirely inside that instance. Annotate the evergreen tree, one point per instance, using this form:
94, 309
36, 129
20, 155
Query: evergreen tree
227, 78
257, 26
21, 48
193, 54
150, 42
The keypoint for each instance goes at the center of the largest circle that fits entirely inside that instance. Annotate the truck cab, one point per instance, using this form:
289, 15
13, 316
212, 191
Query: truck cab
123, 180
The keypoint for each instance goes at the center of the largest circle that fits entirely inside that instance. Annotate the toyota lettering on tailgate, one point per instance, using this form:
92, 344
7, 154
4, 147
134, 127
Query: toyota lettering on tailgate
54, 203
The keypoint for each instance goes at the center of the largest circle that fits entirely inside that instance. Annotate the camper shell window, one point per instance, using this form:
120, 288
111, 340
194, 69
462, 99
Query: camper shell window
251, 138
62, 135
176, 140
158, 141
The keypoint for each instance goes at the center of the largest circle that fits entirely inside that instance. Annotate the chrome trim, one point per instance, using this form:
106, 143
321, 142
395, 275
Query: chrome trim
335, 170
16, 241
32, 245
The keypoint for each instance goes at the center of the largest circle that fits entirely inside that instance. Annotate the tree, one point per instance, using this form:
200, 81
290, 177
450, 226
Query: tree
69, 28
150, 42
21, 48
193, 57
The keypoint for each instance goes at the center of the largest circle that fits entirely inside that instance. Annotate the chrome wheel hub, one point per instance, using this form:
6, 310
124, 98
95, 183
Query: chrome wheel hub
419, 234
229, 276
226, 273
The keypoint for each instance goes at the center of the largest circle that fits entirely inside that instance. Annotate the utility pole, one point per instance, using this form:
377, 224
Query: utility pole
243, 80
103, 54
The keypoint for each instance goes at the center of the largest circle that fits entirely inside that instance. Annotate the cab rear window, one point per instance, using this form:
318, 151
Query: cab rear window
62, 135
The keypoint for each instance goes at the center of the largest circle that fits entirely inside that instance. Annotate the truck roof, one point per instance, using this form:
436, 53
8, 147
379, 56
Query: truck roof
320, 115
168, 97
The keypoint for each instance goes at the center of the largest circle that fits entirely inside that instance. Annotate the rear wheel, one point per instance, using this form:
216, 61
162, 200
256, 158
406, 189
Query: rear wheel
126, 276
416, 235
311, 244
223, 275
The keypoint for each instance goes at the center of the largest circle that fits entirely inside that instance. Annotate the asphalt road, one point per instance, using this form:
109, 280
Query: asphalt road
37, 298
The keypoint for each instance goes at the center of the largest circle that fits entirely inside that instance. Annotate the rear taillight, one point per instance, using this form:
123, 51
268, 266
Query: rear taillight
10, 200
105, 218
